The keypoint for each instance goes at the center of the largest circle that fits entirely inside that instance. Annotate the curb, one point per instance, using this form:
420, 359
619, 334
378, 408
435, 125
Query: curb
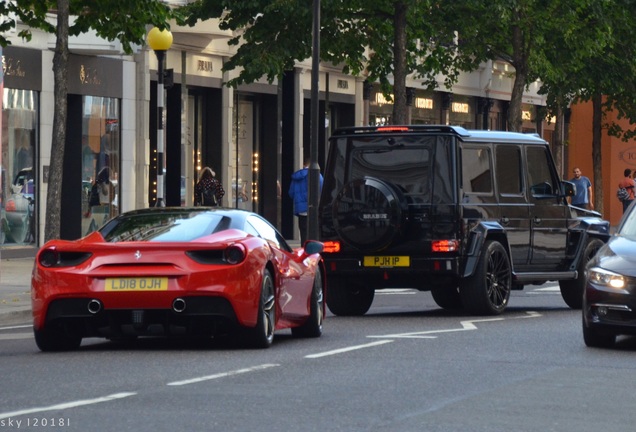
15, 317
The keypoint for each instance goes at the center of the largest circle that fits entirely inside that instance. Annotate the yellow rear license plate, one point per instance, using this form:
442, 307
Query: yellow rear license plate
387, 261
137, 284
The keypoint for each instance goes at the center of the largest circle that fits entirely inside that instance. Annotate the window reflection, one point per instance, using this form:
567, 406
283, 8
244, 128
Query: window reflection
17, 171
100, 161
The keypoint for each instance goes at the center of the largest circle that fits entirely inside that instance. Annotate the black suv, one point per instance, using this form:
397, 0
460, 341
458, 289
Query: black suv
467, 215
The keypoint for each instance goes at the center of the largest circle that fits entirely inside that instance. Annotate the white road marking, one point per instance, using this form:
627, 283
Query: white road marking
221, 375
530, 314
394, 291
466, 325
16, 327
16, 336
549, 290
67, 405
347, 349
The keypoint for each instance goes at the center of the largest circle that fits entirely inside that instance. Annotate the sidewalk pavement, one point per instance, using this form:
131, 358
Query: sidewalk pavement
15, 285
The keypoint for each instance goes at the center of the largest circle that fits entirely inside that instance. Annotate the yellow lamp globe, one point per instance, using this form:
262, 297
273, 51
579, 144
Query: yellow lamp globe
159, 40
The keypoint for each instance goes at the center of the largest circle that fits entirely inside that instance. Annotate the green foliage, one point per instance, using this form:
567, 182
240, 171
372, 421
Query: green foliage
122, 20
357, 35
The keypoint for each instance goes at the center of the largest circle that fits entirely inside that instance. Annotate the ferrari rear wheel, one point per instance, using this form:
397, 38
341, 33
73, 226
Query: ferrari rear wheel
56, 339
262, 336
313, 326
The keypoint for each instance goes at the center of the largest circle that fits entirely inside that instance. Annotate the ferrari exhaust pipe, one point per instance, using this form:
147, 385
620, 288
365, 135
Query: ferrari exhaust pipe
178, 305
94, 306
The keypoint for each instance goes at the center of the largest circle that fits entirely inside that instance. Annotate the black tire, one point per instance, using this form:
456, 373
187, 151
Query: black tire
596, 338
447, 298
56, 339
262, 336
347, 298
487, 291
572, 290
313, 326
368, 213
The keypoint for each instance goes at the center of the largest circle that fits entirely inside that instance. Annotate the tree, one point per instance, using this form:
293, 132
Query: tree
516, 31
595, 61
382, 39
124, 20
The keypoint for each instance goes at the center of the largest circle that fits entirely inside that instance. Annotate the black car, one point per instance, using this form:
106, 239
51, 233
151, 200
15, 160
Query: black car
609, 300
467, 215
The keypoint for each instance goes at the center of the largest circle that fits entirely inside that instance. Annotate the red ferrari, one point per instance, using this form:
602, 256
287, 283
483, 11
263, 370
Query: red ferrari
177, 271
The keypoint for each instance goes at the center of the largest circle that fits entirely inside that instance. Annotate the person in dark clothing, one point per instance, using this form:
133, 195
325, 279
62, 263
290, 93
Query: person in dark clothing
299, 192
628, 184
208, 191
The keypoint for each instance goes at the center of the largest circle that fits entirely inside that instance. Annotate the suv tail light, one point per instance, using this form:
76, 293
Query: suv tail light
445, 245
331, 246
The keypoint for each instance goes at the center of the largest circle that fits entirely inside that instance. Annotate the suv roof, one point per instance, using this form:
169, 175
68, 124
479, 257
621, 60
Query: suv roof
464, 134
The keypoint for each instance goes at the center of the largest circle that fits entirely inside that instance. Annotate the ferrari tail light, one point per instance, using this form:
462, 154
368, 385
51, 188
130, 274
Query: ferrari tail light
48, 258
331, 246
234, 254
445, 245
54, 258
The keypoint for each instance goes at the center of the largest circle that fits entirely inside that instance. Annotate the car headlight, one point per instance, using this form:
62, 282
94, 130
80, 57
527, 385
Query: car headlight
599, 276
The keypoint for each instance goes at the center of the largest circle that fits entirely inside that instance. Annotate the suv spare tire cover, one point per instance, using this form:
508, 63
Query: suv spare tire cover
367, 213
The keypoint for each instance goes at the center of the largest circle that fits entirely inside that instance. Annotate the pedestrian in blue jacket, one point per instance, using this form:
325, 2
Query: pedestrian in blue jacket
299, 192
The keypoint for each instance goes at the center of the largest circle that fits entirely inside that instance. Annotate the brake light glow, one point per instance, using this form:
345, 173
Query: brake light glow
331, 246
445, 245
392, 129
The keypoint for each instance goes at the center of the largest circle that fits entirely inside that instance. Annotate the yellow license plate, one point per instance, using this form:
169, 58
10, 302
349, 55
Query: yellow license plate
387, 261
137, 284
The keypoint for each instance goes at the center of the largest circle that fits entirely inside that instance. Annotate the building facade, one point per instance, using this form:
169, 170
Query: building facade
254, 136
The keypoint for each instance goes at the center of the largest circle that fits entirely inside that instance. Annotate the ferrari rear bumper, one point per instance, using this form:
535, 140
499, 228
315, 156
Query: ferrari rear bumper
192, 315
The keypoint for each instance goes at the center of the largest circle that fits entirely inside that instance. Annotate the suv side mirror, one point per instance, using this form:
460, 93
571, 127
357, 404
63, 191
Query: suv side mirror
569, 188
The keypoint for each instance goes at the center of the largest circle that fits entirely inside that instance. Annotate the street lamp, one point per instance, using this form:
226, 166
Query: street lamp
160, 42
314, 167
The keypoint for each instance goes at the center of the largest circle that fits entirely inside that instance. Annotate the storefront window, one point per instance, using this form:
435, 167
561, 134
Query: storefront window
17, 171
100, 161
380, 109
243, 183
425, 109
528, 117
462, 112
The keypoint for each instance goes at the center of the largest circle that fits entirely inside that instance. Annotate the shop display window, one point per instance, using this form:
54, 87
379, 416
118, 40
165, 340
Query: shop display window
100, 155
17, 170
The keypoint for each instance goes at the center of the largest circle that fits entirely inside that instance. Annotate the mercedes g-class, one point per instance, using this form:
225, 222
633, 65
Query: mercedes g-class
466, 215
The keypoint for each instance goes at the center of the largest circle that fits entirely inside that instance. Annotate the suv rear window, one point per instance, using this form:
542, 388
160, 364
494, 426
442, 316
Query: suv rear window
418, 165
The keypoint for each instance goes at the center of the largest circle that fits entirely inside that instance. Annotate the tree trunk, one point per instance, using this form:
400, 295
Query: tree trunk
557, 141
520, 63
400, 112
58, 143
597, 119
